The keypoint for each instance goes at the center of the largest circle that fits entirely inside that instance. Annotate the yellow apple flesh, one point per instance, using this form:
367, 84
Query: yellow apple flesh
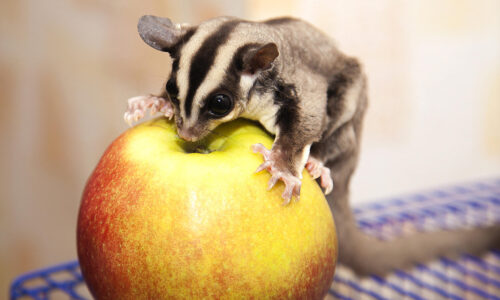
162, 218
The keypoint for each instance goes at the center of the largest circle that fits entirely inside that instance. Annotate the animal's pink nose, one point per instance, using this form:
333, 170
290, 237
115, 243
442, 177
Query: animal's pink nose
186, 134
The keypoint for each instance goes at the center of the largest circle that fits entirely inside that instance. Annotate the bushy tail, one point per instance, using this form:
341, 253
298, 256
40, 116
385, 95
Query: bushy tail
367, 255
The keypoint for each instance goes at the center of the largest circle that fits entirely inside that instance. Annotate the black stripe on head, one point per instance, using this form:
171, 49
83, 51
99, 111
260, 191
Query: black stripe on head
231, 83
204, 59
172, 87
237, 67
174, 50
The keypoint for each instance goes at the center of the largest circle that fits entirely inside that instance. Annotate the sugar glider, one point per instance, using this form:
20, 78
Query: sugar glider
292, 79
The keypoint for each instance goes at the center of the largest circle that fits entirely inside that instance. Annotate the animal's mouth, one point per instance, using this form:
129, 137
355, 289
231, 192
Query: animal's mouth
194, 134
198, 142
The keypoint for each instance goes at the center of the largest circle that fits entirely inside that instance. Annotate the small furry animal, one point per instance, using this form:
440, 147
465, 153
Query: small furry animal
283, 73
292, 79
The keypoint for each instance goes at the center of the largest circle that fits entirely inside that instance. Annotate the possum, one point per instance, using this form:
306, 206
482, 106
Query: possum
292, 79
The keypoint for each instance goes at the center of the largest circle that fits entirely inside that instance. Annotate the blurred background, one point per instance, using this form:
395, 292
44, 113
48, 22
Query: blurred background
68, 67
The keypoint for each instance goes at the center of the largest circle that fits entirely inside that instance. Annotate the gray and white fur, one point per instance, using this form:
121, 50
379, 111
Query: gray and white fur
292, 79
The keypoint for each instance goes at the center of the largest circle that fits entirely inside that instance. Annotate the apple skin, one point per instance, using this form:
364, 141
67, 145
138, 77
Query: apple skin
156, 222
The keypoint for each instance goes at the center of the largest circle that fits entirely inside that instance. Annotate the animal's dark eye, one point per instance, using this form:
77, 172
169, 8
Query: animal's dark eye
220, 105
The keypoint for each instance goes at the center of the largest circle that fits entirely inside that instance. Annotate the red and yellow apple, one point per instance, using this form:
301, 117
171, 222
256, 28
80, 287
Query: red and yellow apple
162, 218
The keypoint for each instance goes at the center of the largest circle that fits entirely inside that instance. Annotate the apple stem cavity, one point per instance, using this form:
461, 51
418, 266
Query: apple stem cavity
190, 147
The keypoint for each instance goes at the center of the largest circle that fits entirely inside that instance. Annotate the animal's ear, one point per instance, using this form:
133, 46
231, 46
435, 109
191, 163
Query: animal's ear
160, 33
259, 58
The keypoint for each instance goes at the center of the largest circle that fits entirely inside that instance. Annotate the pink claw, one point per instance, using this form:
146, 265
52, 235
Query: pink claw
318, 170
278, 172
292, 188
272, 182
137, 107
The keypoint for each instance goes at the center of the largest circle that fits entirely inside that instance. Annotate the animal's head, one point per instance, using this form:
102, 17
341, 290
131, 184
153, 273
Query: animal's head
215, 65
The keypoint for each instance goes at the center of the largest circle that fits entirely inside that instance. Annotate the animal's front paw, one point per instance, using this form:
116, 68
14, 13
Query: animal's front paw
274, 164
137, 107
317, 169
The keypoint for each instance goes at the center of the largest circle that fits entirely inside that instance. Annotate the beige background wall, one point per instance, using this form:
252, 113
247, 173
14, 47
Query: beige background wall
67, 68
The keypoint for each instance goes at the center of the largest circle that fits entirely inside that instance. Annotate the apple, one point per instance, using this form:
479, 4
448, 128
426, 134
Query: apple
163, 218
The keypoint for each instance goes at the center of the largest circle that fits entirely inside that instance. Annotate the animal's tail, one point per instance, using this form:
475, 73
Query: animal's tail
367, 255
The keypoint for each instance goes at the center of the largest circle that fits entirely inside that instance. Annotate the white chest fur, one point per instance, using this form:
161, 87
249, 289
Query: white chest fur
262, 108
